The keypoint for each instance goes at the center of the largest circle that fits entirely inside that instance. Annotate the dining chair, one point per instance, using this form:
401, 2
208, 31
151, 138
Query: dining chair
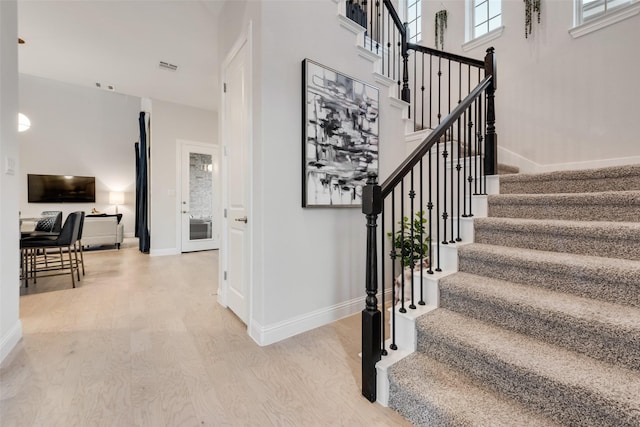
50, 222
79, 242
67, 239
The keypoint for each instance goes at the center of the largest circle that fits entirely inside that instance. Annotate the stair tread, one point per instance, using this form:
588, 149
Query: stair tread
586, 310
627, 270
450, 395
572, 372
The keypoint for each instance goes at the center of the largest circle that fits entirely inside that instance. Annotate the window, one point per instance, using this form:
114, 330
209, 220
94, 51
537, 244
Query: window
592, 15
414, 18
592, 9
486, 16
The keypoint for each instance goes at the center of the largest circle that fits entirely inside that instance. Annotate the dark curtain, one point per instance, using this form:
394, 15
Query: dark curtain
136, 146
142, 196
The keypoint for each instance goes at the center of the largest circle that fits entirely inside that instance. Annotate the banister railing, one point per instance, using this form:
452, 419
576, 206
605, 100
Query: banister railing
422, 202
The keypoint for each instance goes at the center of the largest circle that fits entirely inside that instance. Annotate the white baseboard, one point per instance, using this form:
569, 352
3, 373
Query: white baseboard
590, 164
510, 158
527, 166
164, 252
265, 335
10, 340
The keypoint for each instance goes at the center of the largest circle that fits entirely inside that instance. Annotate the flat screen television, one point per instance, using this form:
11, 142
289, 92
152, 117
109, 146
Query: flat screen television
61, 189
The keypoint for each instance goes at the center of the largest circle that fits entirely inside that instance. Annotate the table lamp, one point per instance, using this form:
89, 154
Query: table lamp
116, 198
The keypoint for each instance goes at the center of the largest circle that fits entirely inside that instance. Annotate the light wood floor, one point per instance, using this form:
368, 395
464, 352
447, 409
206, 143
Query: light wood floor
143, 342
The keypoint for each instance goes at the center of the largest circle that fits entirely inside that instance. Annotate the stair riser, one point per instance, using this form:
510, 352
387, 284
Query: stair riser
576, 212
416, 410
551, 240
607, 286
563, 403
597, 340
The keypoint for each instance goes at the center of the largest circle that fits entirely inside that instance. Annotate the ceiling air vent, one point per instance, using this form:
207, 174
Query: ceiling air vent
166, 66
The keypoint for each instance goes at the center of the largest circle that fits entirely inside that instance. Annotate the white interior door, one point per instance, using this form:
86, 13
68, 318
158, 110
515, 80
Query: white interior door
199, 196
237, 139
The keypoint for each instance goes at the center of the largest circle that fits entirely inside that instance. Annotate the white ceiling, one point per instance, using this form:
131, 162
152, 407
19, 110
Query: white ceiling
121, 42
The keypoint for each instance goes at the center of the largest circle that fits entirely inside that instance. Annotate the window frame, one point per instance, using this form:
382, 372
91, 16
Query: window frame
472, 6
602, 20
414, 38
473, 42
580, 8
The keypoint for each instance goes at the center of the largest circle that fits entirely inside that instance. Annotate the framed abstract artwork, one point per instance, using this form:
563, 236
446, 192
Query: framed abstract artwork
340, 136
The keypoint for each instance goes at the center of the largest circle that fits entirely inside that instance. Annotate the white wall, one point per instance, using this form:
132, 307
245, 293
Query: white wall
170, 123
10, 326
308, 263
560, 100
76, 130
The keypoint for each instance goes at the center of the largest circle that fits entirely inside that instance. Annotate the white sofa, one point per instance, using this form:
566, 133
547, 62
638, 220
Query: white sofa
102, 230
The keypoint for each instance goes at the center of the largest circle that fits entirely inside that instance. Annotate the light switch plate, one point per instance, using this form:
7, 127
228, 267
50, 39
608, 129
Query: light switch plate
9, 166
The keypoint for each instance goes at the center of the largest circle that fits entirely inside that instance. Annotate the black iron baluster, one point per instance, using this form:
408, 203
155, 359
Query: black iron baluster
472, 156
422, 93
445, 215
430, 90
371, 34
449, 79
459, 82
402, 246
378, 26
393, 256
415, 92
458, 169
399, 67
437, 159
394, 54
382, 274
451, 212
430, 221
481, 128
464, 162
439, 89
412, 195
389, 46
468, 154
421, 302
479, 131
382, 43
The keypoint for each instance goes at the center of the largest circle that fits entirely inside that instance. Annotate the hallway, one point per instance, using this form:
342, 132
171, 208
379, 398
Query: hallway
142, 341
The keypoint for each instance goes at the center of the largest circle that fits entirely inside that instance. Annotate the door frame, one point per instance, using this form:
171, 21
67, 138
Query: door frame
180, 144
244, 40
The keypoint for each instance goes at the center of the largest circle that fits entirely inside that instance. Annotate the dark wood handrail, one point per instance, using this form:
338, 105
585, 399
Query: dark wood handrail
446, 55
424, 147
394, 15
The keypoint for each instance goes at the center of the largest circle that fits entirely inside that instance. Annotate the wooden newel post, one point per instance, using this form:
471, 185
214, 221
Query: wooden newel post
491, 141
371, 316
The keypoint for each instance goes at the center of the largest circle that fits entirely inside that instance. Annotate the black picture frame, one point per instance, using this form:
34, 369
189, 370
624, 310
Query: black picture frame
340, 135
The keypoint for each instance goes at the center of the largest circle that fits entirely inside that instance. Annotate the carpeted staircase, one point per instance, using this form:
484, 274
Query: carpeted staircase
541, 325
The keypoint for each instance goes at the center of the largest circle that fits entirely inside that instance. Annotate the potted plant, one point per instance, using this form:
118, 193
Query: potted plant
410, 241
